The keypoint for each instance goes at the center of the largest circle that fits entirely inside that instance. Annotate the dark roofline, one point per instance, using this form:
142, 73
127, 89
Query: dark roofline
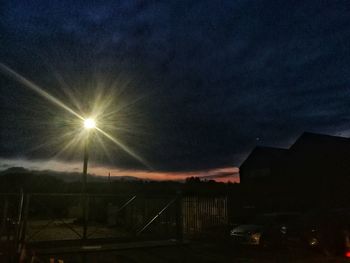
306, 133
303, 135
318, 135
264, 148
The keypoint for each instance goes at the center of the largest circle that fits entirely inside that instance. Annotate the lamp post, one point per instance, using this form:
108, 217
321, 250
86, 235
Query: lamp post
89, 124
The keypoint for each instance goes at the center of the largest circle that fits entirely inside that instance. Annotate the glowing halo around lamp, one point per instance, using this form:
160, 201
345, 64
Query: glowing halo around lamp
89, 123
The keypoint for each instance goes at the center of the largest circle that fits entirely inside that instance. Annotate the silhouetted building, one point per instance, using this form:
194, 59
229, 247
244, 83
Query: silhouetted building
260, 163
313, 158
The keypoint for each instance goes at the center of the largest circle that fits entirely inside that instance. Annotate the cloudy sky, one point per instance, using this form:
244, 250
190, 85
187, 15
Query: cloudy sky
190, 87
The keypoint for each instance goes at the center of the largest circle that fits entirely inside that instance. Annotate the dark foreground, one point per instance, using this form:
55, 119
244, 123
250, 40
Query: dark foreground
199, 251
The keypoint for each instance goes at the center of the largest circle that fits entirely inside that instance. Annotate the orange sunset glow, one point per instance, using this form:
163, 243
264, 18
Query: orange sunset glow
221, 174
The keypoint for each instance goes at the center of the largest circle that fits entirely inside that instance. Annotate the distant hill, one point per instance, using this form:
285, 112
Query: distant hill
67, 176
13, 170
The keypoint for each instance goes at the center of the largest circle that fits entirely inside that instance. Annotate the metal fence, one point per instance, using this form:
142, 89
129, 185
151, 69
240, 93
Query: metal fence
49, 218
204, 215
10, 217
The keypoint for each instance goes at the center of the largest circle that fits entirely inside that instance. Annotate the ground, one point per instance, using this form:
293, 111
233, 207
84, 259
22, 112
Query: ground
204, 252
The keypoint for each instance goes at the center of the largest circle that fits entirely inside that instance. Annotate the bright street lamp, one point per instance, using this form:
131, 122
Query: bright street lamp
89, 123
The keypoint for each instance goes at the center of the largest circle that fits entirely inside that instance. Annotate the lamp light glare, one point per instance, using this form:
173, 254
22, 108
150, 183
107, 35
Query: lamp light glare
89, 123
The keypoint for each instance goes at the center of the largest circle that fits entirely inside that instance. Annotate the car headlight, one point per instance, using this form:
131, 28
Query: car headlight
313, 242
255, 237
283, 230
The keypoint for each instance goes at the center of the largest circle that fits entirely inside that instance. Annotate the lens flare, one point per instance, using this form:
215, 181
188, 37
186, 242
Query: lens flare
103, 108
27, 83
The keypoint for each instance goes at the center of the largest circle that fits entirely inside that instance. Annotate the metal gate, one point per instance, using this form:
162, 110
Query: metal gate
73, 217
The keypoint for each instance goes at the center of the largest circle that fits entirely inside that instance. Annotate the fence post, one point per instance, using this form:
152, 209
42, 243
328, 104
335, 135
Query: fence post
23, 228
17, 249
179, 217
4, 216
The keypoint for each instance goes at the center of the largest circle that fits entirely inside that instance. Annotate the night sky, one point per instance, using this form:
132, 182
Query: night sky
192, 86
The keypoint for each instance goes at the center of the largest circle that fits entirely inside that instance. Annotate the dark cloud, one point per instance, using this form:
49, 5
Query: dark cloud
213, 75
4, 165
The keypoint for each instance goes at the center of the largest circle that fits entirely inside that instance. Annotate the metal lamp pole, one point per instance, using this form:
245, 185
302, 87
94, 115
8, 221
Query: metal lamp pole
89, 124
84, 192
86, 159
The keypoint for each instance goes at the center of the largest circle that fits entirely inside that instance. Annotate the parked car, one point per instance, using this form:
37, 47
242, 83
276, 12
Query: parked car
267, 229
327, 231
